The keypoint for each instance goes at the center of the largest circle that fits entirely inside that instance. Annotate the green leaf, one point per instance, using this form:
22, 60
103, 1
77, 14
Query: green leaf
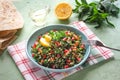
114, 10
77, 2
103, 15
109, 23
109, 7
84, 1
76, 10
106, 5
96, 12
93, 4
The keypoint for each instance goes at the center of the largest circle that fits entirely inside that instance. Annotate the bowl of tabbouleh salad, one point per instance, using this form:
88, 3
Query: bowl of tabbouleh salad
57, 48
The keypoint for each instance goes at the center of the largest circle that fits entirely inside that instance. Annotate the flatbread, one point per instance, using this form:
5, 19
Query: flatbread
3, 40
10, 18
6, 43
8, 33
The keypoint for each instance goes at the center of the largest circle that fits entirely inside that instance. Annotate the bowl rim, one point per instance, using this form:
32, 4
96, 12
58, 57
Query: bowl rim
58, 70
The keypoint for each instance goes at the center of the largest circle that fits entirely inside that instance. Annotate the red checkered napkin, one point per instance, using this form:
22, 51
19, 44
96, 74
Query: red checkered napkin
32, 72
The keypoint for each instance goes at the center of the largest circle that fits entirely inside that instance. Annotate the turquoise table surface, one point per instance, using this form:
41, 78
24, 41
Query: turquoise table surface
106, 70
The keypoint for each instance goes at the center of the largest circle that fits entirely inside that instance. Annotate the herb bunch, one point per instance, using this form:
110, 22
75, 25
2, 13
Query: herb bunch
96, 12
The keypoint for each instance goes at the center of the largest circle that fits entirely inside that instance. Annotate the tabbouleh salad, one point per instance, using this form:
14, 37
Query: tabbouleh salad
58, 49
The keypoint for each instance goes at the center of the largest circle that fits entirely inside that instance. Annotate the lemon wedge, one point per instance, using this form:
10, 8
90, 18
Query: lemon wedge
47, 38
44, 43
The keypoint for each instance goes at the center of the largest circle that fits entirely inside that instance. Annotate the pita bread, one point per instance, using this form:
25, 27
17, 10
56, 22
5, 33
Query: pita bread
10, 22
6, 43
3, 40
10, 18
5, 34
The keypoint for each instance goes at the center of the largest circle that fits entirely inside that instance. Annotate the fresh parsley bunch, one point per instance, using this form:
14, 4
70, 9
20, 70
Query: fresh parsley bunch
96, 12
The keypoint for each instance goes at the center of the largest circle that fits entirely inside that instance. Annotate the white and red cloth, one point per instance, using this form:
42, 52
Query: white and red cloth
32, 72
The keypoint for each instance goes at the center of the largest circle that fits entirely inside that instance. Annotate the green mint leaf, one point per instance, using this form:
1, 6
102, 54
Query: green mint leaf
77, 2
111, 25
76, 10
114, 10
84, 1
96, 12
109, 7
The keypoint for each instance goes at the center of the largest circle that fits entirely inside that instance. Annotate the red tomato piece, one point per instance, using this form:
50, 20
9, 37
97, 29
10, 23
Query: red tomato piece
68, 61
79, 59
64, 39
82, 46
58, 55
44, 56
66, 66
51, 51
66, 51
57, 43
76, 43
39, 50
34, 45
76, 37
73, 38
33, 54
68, 33
42, 61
